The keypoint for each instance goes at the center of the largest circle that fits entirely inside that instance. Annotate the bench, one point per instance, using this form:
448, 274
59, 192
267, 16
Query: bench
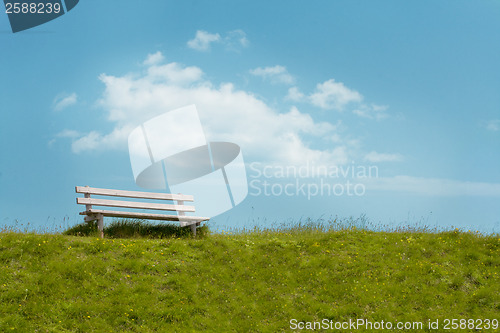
93, 214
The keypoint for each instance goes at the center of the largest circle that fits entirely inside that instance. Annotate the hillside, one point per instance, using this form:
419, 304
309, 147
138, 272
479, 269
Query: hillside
261, 281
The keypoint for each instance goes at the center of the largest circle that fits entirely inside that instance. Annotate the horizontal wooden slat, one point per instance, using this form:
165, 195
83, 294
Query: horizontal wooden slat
131, 204
133, 194
183, 219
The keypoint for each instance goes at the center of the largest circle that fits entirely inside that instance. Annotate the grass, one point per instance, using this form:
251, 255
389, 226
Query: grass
159, 279
135, 229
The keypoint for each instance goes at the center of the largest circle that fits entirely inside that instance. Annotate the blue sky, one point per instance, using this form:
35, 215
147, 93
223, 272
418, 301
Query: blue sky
410, 88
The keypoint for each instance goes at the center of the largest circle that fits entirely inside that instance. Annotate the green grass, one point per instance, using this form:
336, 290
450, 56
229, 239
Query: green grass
124, 228
162, 280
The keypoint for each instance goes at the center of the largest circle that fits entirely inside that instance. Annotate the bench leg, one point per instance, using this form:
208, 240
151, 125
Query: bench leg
100, 224
193, 229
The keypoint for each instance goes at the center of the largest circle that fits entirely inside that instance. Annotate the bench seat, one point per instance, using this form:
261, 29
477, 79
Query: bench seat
184, 220
93, 214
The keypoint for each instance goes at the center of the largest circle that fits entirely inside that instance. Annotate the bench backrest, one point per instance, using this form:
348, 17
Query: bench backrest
88, 201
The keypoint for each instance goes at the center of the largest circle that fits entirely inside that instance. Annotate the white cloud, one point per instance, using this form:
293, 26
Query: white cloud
493, 125
294, 94
227, 114
64, 100
94, 140
375, 157
65, 134
236, 39
91, 141
68, 134
276, 74
202, 40
372, 111
334, 95
153, 59
174, 73
233, 40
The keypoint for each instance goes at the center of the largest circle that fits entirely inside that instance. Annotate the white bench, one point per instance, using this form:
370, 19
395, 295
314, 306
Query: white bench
93, 214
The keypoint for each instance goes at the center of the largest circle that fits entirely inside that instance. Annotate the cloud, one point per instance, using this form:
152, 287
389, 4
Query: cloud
68, 134
236, 39
173, 73
153, 59
276, 74
372, 111
227, 114
233, 40
202, 40
294, 95
331, 95
93, 140
64, 100
375, 157
96, 141
493, 125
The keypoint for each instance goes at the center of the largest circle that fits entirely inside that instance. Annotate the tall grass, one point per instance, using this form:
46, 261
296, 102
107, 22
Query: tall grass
130, 228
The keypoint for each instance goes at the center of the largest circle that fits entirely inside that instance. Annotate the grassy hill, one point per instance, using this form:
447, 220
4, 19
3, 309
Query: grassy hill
253, 281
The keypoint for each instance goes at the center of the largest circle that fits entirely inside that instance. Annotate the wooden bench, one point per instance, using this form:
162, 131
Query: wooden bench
93, 214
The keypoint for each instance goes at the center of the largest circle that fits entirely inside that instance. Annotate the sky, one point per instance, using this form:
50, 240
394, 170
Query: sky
388, 109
